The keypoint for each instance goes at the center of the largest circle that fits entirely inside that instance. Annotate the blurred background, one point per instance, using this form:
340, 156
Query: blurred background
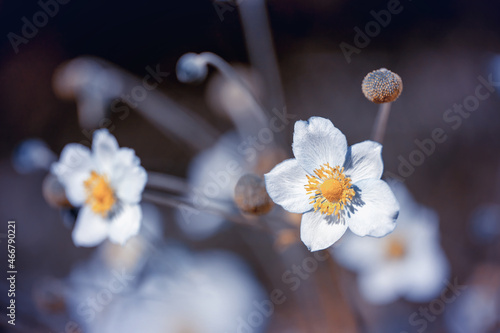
443, 50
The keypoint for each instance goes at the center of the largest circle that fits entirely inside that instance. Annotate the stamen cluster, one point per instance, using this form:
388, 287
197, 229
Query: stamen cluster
100, 195
330, 189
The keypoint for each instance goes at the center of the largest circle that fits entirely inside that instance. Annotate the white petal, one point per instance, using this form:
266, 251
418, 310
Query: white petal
364, 161
72, 169
359, 253
216, 171
319, 231
285, 185
128, 177
90, 229
316, 142
104, 148
129, 188
124, 158
75, 189
427, 266
411, 211
382, 285
125, 224
374, 210
426, 274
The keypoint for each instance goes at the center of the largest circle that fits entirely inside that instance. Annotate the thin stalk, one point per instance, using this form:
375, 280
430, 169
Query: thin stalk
380, 124
177, 202
255, 21
348, 299
258, 113
167, 182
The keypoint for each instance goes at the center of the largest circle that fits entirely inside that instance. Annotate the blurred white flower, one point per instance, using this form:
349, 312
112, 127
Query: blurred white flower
213, 175
111, 274
133, 255
178, 292
107, 184
343, 183
408, 263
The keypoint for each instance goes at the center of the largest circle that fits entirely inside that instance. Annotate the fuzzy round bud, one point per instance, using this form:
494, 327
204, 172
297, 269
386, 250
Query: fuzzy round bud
382, 86
191, 68
250, 195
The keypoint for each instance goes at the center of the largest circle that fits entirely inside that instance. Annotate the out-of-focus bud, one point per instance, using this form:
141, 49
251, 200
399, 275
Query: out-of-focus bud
91, 83
32, 155
382, 86
191, 68
251, 196
49, 296
86, 75
54, 192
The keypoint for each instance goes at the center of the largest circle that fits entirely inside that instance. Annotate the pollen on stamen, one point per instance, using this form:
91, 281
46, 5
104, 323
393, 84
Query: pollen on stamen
330, 190
100, 195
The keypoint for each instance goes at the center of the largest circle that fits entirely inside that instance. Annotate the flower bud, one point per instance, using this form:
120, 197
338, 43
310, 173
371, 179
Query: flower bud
382, 86
32, 155
251, 196
49, 296
191, 68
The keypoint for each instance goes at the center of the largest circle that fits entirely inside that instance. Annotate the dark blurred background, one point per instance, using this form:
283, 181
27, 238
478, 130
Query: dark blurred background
439, 48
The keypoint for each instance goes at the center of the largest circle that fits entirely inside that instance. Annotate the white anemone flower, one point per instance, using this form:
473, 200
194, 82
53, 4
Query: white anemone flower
335, 186
408, 263
107, 184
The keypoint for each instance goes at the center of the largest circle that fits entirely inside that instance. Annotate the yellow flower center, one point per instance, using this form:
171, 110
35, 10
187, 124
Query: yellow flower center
100, 195
330, 190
